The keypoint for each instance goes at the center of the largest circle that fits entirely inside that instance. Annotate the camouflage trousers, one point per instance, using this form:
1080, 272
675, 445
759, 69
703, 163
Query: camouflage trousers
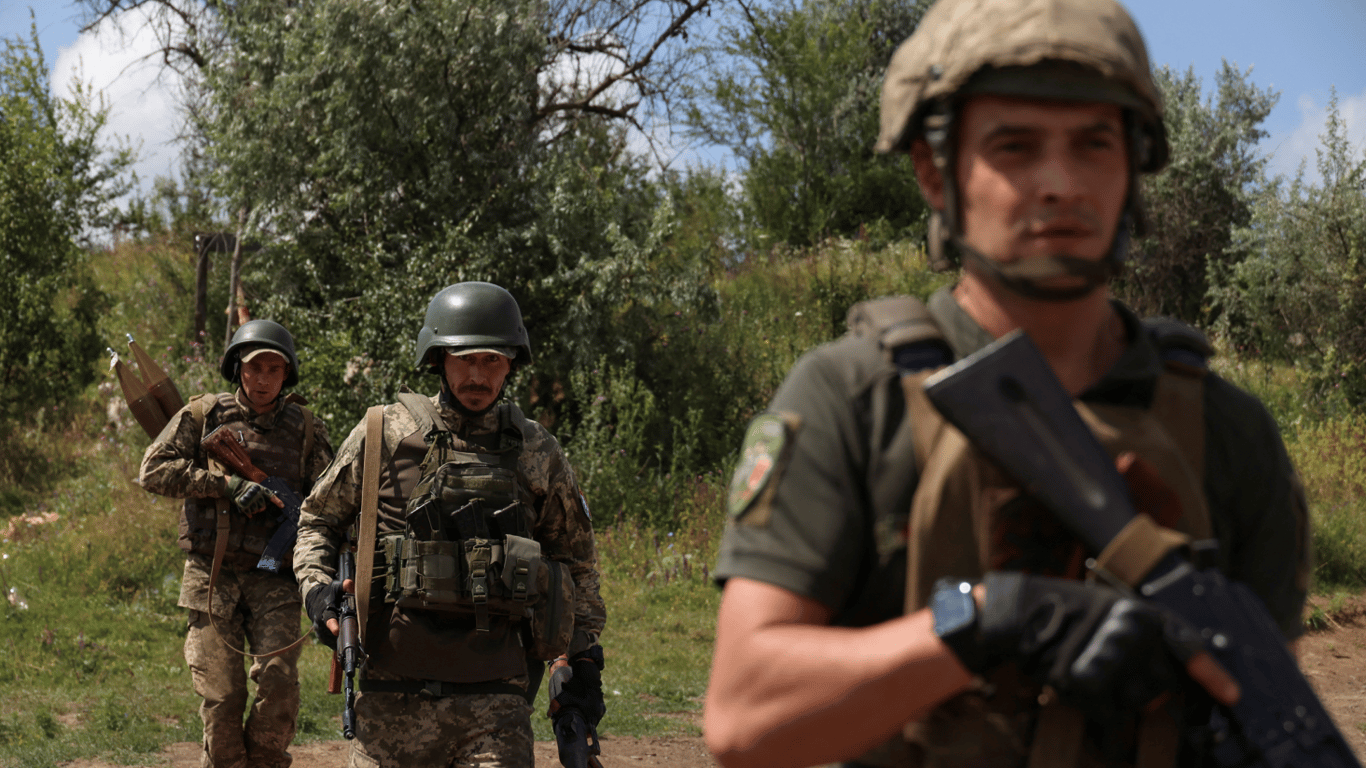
221, 680
398, 730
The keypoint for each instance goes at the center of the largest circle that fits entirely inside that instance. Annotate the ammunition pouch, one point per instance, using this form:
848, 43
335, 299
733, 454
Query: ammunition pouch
491, 579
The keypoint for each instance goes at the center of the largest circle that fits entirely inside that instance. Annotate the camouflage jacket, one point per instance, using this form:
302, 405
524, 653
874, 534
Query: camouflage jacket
174, 465
562, 525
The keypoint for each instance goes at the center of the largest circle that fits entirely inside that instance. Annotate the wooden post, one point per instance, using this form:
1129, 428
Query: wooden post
235, 277
201, 285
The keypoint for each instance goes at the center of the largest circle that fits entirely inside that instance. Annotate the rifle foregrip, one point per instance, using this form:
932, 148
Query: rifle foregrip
1278, 721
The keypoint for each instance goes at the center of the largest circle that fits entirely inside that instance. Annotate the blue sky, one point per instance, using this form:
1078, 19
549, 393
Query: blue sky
1301, 49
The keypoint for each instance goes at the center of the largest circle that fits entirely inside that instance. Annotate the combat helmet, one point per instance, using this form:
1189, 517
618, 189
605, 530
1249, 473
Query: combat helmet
258, 334
1070, 50
472, 315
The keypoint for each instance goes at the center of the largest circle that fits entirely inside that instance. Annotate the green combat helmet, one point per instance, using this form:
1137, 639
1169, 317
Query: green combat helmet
1070, 50
257, 334
472, 315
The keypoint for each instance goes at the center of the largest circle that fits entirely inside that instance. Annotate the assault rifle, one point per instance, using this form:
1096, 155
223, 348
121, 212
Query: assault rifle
1008, 402
576, 739
227, 449
349, 653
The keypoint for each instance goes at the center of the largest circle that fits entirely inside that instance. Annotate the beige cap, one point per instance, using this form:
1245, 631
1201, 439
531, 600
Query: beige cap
1090, 50
508, 352
255, 353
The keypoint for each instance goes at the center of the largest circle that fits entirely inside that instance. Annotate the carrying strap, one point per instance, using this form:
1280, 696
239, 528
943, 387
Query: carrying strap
308, 446
369, 514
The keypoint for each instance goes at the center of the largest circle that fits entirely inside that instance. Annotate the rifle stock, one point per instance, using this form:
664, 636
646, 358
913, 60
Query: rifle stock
1008, 402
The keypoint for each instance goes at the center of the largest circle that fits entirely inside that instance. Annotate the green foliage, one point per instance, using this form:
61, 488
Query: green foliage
57, 185
1331, 459
793, 90
1301, 293
391, 149
1203, 196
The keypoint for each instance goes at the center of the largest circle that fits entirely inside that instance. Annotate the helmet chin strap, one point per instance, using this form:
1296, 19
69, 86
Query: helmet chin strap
1027, 277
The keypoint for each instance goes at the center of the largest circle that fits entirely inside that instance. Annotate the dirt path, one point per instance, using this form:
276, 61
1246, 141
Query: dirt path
618, 753
1334, 660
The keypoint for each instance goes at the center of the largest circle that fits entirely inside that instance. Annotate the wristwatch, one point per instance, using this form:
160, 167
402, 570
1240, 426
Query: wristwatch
955, 620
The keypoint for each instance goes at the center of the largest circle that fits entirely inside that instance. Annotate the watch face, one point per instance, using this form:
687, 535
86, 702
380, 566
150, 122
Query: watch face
953, 608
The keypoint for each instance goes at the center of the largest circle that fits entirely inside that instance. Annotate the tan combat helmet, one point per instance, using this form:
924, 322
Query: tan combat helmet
1071, 50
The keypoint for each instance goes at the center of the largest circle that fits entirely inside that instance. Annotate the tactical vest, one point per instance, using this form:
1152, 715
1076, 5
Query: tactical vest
958, 515
466, 557
279, 452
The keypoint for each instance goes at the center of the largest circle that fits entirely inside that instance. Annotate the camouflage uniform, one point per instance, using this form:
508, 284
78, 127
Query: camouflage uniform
249, 605
463, 728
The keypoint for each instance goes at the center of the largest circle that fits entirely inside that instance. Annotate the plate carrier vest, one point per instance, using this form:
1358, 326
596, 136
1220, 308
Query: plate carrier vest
955, 515
467, 547
280, 452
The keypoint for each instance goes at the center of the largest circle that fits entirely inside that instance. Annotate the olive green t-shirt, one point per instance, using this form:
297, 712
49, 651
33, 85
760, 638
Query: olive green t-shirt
816, 533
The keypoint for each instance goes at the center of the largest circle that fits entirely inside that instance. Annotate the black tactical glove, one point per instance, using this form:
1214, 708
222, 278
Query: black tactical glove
580, 686
1102, 651
323, 603
250, 498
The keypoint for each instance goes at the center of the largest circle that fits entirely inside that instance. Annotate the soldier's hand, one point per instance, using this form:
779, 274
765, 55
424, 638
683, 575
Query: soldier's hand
323, 605
1102, 651
577, 685
250, 498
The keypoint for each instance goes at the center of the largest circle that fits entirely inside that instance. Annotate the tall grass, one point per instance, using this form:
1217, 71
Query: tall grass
1326, 442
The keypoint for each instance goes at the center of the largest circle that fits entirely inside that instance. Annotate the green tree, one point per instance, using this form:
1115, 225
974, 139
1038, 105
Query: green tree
57, 189
1300, 294
389, 149
793, 90
1205, 193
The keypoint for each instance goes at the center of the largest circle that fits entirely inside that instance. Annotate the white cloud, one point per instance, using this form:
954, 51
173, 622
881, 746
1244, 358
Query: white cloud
1288, 149
122, 62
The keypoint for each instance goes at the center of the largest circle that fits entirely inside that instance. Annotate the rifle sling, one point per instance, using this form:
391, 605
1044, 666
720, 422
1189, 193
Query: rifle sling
369, 514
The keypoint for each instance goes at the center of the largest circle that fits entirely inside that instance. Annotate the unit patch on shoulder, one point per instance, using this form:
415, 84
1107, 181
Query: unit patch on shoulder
762, 457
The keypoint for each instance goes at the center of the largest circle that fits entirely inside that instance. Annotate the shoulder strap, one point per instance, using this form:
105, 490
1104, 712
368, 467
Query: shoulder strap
509, 435
904, 329
369, 513
1179, 344
308, 447
1179, 402
910, 340
200, 411
422, 410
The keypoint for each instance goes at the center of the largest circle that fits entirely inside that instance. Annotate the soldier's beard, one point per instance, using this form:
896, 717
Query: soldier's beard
452, 401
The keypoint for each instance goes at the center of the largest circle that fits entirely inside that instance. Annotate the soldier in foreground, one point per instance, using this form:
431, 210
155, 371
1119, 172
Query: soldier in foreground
485, 564
246, 603
1028, 122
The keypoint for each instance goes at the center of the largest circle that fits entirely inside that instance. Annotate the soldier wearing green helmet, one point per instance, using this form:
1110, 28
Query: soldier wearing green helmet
889, 599
485, 561
225, 524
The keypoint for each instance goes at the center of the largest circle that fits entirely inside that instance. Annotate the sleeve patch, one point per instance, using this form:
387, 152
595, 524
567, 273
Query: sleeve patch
762, 457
